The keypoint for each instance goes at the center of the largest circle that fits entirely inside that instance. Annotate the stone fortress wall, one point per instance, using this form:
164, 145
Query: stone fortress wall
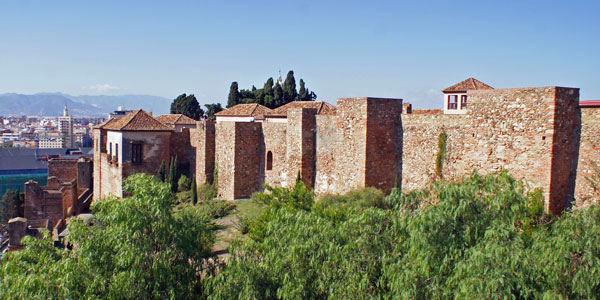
532, 132
539, 134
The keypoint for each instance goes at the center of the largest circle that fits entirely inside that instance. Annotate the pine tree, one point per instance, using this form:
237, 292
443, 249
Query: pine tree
161, 171
289, 88
234, 95
187, 105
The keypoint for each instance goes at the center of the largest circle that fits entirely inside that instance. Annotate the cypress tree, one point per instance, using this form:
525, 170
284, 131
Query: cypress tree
173, 174
161, 171
303, 94
234, 95
289, 88
268, 93
277, 96
194, 190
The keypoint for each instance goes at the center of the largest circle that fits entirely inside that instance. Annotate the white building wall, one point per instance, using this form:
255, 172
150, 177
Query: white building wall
459, 110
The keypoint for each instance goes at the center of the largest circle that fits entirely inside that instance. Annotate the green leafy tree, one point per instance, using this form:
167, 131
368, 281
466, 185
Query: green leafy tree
212, 109
139, 247
234, 95
161, 174
187, 105
289, 88
11, 205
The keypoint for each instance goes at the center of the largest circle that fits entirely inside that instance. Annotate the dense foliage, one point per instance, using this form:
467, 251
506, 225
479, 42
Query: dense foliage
187, 105
11, 205
486, 238
273, 94
138, 248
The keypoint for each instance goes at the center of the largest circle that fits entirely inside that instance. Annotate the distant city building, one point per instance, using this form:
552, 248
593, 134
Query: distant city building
119, 113
65, 127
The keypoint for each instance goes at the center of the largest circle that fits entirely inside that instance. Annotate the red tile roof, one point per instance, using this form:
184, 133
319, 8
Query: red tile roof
176, 119
137, 120
323, 108
589, 103
467, 84
245, 109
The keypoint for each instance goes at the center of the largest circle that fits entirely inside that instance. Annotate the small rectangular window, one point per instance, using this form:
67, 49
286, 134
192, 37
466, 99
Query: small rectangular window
109, 152
116, 158
452, 101
136, 153
463, 101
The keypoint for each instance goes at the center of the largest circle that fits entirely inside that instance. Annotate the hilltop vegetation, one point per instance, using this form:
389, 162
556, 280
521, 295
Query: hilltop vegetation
487, 237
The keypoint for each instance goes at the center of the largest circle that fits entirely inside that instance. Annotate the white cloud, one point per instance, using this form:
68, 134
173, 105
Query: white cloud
103, 87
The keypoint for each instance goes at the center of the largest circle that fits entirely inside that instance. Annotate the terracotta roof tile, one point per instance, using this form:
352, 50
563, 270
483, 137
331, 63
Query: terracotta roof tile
245, 109
137, 120
323, 108
468, 84
178, 119
105, 123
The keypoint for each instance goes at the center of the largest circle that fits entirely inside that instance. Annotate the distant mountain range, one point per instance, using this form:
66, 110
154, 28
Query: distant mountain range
52, 104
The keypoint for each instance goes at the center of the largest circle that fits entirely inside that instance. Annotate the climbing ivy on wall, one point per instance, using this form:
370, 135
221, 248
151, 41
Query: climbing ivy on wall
441, 154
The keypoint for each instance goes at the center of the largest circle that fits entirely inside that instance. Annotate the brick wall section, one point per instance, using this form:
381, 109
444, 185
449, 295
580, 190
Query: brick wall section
97, 164
514, 129
565, 148
420, 147
238, 152
155, 149
326, 145
84, 175
63, 169
351, 153
42, 204
69, 198
203, 139
300, 140
589, 151
275, 141
248, 152
186, 153
384, 143
224, 156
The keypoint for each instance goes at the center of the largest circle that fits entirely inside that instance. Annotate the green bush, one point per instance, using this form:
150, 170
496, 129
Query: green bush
243, 224
207, 192
139, 248
184, 183
217, 208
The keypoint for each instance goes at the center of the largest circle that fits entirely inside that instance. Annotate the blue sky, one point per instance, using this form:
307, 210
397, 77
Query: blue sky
404, 49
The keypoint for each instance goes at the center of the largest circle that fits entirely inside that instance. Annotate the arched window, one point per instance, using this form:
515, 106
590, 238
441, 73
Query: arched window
269, 160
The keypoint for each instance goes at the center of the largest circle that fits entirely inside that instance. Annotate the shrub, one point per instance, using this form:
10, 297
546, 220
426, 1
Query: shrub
184, 183
217, 208
243, 224
207, 192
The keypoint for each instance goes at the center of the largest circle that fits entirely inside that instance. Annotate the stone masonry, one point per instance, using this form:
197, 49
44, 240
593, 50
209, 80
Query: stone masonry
538, 134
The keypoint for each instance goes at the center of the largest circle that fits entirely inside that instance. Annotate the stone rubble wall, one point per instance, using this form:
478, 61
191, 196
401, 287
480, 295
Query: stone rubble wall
326, 145
275, 141
203, 140
589, 152
528, 131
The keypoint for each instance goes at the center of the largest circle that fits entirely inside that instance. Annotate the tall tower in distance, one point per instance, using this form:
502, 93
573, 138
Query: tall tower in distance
65, 127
